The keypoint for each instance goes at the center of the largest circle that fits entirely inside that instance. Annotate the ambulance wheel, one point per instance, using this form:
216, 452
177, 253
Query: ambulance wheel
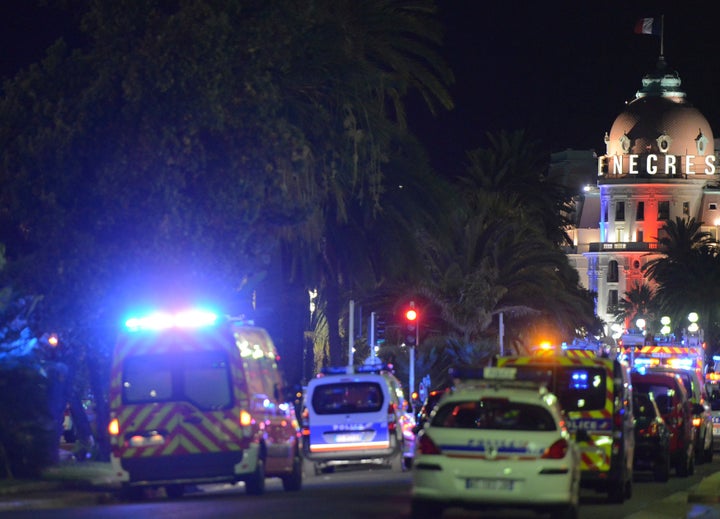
175, 491
255, 484
293, 481
617, 491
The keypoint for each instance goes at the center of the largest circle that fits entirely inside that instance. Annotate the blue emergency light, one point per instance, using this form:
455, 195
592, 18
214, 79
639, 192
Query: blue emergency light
163, 320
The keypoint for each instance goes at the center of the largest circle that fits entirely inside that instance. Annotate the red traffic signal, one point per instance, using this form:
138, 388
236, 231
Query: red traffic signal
411, 315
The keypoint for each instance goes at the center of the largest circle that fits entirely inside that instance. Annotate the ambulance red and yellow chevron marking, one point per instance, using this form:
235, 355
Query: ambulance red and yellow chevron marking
666, 350
216, 432
595, 455
580, 354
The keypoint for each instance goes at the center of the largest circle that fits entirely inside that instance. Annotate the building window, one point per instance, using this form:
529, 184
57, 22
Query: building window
620, 212
613, 272
712, 206
686, 208
612, 307
640, 236
640, 214
664, 210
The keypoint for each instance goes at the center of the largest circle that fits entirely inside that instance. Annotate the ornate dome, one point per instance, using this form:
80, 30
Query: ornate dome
660, 121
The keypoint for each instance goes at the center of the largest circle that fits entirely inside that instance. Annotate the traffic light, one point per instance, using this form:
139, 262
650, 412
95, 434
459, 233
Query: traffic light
411, 324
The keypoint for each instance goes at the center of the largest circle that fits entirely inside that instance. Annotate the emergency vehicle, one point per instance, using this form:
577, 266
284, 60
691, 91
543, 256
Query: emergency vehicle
195, 398
669, 355
356, 415
496, 441
596, 395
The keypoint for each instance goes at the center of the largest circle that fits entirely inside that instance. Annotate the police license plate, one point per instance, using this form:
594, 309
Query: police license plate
489, 484
346, 438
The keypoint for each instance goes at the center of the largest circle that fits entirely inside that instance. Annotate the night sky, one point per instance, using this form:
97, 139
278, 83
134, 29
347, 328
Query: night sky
560, 70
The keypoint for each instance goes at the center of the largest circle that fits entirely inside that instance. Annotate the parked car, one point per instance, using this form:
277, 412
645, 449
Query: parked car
712, 388
702, 420
652, 437
677, 411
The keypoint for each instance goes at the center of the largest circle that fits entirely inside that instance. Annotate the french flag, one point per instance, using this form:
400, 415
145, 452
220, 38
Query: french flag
647, 26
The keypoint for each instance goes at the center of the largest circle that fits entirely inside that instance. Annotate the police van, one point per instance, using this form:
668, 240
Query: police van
356, 415
596, 395
195, 398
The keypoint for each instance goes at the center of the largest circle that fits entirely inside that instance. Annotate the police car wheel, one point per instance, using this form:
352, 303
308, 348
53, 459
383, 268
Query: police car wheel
568, 512
422, 509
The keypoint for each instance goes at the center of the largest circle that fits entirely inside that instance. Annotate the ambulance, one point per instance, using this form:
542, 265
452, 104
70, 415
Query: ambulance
196, 398
596, 395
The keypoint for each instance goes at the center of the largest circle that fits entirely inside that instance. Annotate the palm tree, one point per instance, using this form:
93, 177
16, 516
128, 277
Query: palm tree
356, 62
513, 165
687, 274
639, 301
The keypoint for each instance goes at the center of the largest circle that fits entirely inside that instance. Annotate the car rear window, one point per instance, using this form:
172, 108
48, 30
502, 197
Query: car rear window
347, 397
578, 388
199, 377
663, 394
494, 414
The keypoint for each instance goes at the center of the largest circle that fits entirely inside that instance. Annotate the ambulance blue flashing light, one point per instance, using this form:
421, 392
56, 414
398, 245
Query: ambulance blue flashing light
163, 320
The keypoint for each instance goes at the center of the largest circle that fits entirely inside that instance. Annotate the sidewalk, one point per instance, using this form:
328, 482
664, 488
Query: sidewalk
67, 484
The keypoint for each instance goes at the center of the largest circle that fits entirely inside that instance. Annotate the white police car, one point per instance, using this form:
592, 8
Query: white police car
496, 442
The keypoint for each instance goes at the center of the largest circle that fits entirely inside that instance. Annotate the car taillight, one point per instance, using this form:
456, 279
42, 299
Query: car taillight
427, 446
245, 418
697, 420
391, 417
556, 451
114, 427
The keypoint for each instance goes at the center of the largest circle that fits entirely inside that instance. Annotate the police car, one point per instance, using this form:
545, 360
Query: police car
496, 442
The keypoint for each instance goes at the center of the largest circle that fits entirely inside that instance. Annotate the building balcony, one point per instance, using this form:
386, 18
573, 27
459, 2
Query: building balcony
623, 246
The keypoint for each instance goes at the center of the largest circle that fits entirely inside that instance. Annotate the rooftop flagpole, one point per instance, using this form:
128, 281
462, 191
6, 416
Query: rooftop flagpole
662, 35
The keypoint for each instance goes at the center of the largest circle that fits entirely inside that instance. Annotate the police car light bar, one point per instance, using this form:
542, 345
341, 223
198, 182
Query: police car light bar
349, 370
163, 320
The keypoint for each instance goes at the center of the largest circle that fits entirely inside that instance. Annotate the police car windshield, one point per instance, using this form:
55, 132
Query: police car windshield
347, 397
199, 377
493, 414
